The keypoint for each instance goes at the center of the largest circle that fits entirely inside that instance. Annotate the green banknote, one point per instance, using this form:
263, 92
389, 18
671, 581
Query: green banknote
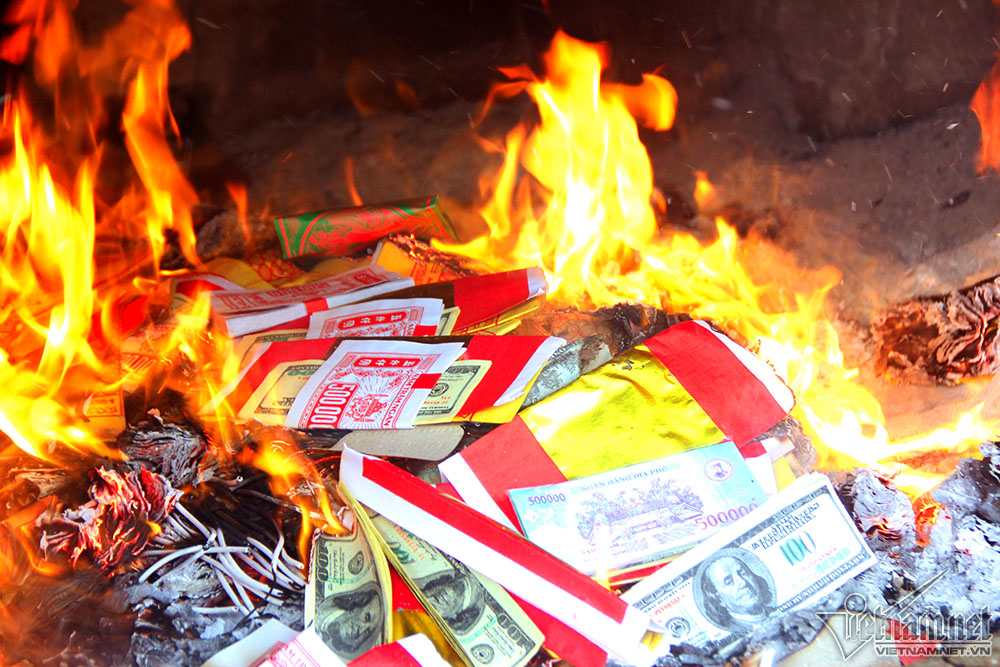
348, 598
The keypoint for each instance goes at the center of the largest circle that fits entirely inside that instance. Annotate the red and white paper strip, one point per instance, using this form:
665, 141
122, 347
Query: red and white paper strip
371, 384
247, 311
382, 318
242, 301
190, 284
306, 650
515, 362
738, 391
482, 473
413, 651
481, 298
523, 569
522, 381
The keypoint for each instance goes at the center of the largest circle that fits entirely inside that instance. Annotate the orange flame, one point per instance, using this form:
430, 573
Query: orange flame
986, 105
582, 212
67, 256
295, 477
588, 166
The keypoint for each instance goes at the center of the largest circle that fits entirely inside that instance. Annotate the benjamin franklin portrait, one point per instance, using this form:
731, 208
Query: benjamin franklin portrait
734, 590
455, 594
351, 623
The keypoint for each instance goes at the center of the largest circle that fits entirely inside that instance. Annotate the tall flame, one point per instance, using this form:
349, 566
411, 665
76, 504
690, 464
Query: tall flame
574, 196
69, 257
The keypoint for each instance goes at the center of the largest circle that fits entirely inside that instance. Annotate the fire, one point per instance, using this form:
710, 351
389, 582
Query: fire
575, 196
588, 166
72, 261
294, 476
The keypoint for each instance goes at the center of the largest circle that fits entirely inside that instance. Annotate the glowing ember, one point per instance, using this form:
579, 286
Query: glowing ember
581, 208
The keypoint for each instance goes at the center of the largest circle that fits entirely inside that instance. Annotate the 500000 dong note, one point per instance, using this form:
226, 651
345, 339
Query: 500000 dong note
797, 547
641, 514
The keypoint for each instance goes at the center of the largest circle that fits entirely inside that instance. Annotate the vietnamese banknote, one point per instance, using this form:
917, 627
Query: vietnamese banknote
347, 594
478, 617
371, 384
271, 400
450, 392
797, 547
641, 514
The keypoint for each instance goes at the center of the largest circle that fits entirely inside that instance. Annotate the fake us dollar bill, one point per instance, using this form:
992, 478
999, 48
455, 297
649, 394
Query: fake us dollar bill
641, 514
478, 617
797, 547
348, 593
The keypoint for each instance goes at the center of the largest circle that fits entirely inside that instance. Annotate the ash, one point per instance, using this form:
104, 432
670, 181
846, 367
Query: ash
173, 627
936, 573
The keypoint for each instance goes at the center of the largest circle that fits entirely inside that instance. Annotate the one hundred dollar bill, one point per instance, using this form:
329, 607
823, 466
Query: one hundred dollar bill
451, 391
478, 617
348, 593
244, 345
797, 547
271, 400
641, 514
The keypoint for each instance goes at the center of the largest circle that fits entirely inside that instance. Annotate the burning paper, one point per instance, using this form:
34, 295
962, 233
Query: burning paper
347, 597
116, 524
640, 515
523, 569
792, 550
343, 231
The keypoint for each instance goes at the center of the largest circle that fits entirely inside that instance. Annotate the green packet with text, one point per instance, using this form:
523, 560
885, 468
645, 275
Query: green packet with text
342, 231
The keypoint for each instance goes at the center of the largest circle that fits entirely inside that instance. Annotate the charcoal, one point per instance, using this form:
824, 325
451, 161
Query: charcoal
177, 450
974, 488
883, 513
73, 620
949, 576
942, 338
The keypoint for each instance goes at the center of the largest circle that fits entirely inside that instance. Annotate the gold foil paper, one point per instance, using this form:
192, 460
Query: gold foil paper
406, 622
630, 410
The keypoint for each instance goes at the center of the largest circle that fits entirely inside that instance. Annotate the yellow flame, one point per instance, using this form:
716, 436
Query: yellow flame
68, 259
573, 196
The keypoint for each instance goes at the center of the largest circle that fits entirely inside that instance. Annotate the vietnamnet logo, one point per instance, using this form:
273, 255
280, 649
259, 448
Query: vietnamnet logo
907, 633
